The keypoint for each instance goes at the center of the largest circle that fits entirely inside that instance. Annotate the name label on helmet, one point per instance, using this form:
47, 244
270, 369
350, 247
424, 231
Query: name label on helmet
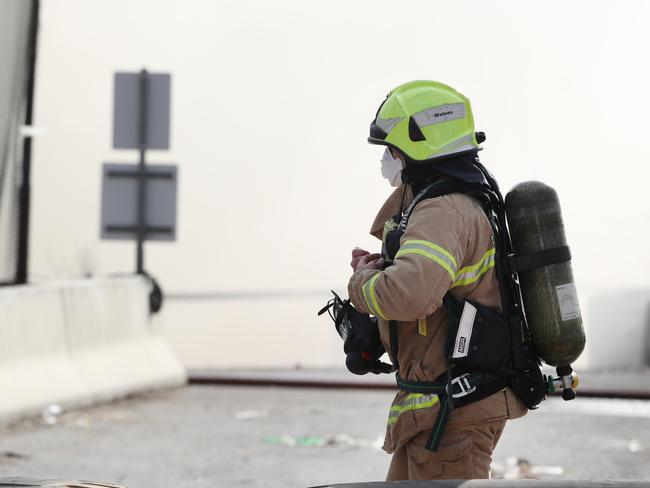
439, 114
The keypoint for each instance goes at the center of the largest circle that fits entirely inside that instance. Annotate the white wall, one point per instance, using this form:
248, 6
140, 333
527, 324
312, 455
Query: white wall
271, 106
618, 328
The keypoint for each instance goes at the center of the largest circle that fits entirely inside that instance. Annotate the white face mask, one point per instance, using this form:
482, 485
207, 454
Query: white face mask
391, 168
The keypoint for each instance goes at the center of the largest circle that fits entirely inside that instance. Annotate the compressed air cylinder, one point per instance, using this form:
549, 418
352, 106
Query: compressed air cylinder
548, 292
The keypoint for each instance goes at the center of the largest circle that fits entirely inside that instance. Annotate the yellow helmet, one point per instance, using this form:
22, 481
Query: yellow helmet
425, 120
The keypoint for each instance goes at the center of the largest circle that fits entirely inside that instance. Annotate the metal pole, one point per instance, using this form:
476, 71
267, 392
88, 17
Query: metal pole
142, 174
24, 195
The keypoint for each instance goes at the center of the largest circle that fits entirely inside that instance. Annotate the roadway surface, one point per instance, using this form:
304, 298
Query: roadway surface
233, 436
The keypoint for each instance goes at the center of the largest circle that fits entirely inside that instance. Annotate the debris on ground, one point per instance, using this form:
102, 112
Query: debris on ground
13, 456
251, 414
51, 413
330, 440
518, 468
631, 445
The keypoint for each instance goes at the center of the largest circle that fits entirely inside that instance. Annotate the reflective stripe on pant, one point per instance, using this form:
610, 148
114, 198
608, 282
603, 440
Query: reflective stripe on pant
465, 452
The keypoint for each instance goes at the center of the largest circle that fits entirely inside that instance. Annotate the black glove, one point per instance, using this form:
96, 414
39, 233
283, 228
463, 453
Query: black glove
360, 334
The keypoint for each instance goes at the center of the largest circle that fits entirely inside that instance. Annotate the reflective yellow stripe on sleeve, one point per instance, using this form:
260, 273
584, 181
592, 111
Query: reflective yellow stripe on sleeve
471, 274
370, 296
432, 251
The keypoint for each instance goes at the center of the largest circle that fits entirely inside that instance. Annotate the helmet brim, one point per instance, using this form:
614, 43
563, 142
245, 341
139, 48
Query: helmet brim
447, 165
382, 142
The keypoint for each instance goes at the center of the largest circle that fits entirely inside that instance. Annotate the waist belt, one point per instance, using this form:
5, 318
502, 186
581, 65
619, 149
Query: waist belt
448, 390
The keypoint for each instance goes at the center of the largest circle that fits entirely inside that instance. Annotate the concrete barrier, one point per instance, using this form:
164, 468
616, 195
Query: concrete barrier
75, 343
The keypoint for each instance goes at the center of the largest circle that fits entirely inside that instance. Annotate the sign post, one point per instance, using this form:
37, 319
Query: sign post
142, 170
141, 121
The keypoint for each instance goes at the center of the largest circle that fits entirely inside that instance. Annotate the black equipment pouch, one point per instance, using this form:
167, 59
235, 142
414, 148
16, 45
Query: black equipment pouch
360, 334
479, 337
482, 339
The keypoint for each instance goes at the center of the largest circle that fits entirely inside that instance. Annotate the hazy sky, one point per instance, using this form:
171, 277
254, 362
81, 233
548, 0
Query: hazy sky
271, 106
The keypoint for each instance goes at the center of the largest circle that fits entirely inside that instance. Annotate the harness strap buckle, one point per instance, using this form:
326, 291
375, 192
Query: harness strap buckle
463, 384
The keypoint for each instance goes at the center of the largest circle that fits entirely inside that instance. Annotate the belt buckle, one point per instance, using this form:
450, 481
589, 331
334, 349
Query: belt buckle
463, 384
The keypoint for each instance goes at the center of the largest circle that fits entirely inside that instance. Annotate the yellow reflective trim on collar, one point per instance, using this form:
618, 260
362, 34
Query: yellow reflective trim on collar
433, 246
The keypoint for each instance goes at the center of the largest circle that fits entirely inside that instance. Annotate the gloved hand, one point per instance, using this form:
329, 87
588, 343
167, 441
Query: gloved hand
361, 342
357, 254
361, 363
362, 259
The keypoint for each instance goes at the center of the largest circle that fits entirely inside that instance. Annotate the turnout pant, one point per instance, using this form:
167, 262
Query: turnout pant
465, 452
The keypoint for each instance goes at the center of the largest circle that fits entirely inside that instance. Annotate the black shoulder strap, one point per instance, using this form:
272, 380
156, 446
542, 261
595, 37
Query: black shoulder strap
490, 198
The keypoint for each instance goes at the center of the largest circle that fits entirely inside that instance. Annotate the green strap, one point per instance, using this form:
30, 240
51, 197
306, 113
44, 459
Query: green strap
439, 388
394, 345
429, 387
439, 426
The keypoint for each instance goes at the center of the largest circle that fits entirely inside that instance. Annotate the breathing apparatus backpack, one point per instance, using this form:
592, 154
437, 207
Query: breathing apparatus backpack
487, 350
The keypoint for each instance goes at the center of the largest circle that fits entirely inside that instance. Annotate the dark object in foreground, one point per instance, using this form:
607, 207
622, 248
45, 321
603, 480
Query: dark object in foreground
498, 484
49, 483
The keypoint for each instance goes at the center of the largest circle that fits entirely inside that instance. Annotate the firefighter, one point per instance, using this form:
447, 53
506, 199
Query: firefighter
447, 249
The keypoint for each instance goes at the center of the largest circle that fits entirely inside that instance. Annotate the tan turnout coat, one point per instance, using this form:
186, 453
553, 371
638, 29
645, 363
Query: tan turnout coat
447, 246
